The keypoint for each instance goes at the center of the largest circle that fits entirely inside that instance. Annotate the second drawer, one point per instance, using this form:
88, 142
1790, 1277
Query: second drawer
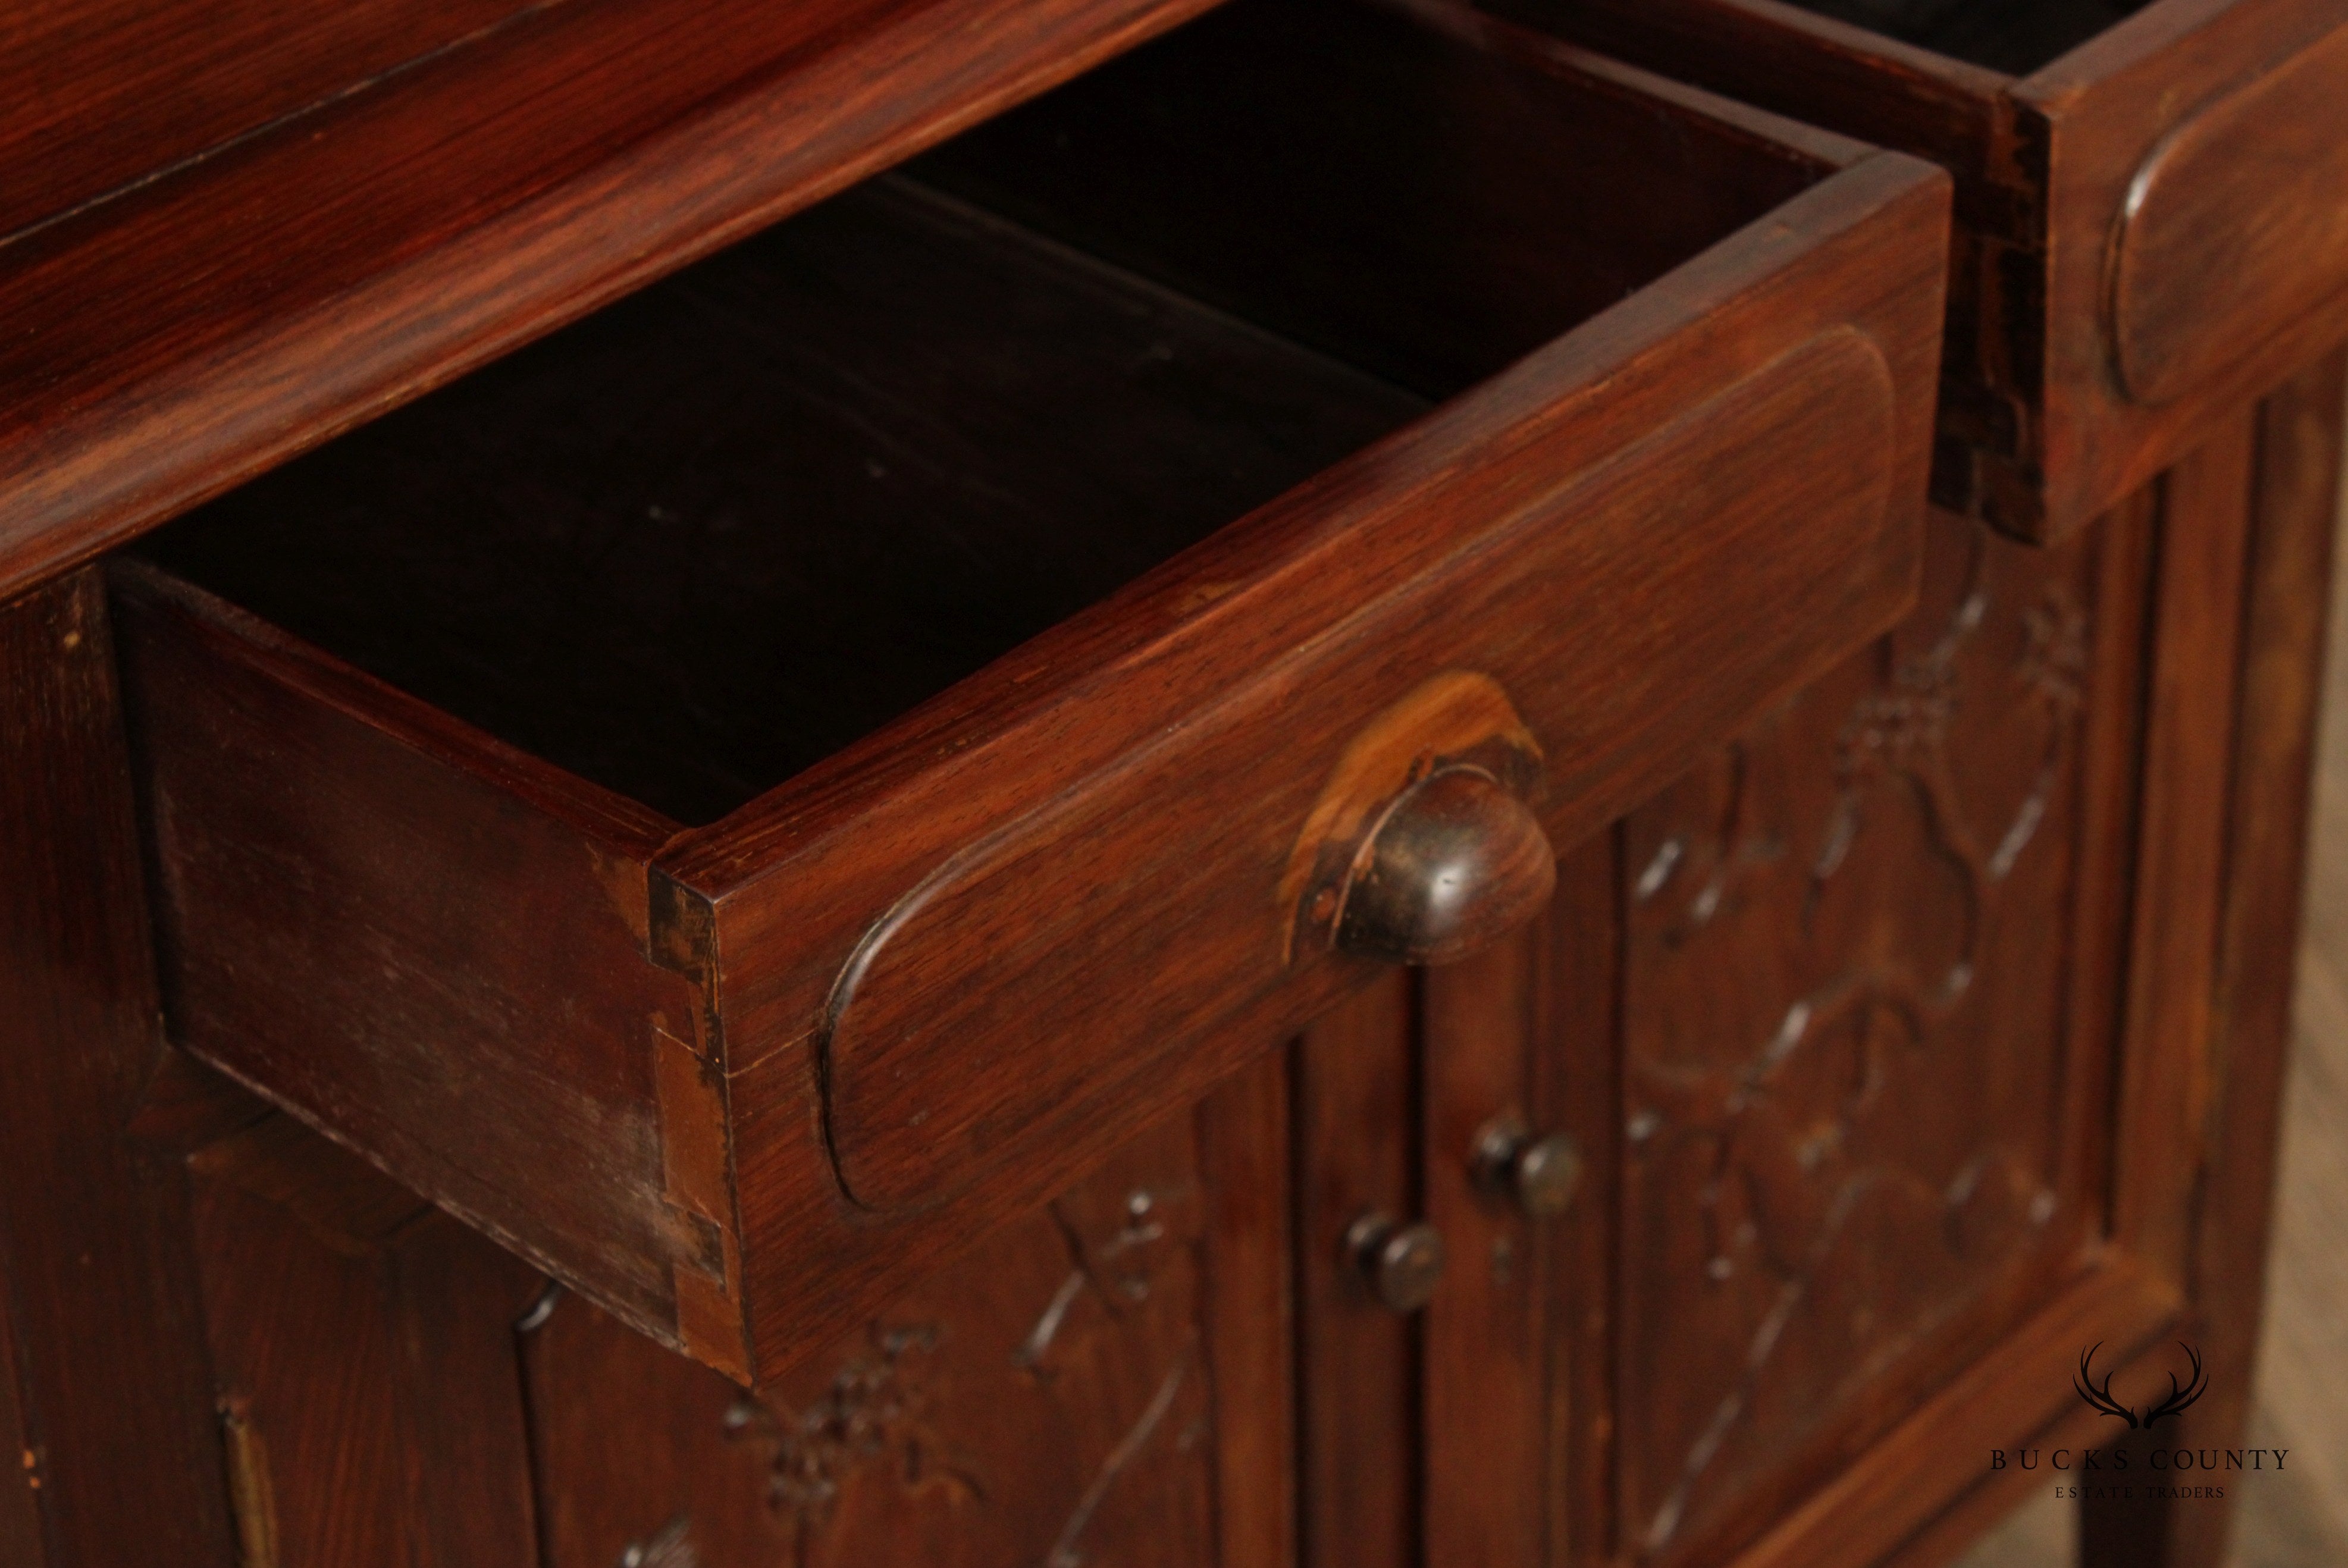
738, 799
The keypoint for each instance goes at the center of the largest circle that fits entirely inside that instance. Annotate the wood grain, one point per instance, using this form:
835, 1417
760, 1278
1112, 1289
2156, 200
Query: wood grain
100, 1293
1488, 1341
2162, 1097
1847, 1039
1067, 1393
645, 1018
364, 1349
345, 260
431, 946
2293, 496
2040, 433
1356, 1079
20, 1516
102, 93
2243, 191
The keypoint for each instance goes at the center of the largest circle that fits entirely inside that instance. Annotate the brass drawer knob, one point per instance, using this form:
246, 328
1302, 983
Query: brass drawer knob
1401, 1263
1456, 861
1539, 1175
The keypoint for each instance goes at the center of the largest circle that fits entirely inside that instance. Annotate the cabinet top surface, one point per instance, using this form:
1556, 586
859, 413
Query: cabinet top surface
228, 233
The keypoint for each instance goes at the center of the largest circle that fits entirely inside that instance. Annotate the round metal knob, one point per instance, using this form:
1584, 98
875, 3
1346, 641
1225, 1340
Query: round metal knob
1401, 1263
1455, 861
1538, 1174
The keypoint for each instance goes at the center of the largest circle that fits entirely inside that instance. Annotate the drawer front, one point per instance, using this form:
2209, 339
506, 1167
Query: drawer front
1607, 611
2149, 225
2244, 196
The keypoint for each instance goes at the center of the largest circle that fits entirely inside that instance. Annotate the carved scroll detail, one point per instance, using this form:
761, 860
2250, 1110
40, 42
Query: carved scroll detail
1865, 900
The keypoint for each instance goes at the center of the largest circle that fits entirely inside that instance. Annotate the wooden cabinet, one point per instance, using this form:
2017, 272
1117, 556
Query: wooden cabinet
2112, 158
848, 853
1295, 783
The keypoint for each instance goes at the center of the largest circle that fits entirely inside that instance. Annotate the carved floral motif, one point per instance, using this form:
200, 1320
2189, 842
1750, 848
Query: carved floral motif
1816, 964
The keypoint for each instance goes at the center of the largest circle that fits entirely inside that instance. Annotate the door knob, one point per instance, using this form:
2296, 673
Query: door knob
1401, 1263
1455, 860
1538, 1174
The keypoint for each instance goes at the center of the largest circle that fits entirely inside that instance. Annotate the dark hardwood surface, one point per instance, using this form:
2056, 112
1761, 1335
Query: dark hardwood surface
363, 1347
1027, 577
744, 1075
716, 533
119, 1459
104, 93
1354, 1075
2294, 497
1101, 1382
2099, 190
2015, 36
322, 237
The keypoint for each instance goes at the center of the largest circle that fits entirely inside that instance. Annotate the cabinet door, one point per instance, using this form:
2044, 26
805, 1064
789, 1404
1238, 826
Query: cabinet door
1106, 1381
1827, 1022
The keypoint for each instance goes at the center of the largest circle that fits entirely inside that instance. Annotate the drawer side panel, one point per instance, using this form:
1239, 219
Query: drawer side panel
421, 959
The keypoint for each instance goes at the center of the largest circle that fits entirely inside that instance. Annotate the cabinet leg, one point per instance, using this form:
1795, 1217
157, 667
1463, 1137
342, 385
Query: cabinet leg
2294, 509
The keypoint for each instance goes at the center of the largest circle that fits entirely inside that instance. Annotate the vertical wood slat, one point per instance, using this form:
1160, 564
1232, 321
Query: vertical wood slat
1579, 1089
1357, 1361
20, 1523
2292, 494
2163, 1086
1243, 1131
113, 1375
1487, 1357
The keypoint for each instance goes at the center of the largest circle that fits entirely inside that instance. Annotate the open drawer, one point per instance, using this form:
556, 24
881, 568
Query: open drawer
2150, 225
744, 795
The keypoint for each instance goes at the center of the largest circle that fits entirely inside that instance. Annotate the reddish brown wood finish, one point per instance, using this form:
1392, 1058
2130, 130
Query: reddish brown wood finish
1486, 1379
2132, 1063
2293, 507
2245, 191
1356, 1076
1073, 1391
96, 1282
172, 85
682, 1055
1843, 1159
271, 289
2099, 196
20, 1519
365, 1354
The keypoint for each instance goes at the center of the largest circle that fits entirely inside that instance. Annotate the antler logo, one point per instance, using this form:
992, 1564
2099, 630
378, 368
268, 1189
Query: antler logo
2099, 1394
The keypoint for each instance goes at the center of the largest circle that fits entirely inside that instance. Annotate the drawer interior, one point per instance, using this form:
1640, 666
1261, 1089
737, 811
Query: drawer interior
2016, 36
701, 540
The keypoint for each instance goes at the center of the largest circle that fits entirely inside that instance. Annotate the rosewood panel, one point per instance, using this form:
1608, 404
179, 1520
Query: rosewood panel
478, 959
171, 84
1105, 1380
2246, 191
96, 1282
1851, 1110
1357, 1075
2293, 500
742, 1082
2100, 187
210, 322
369, 1385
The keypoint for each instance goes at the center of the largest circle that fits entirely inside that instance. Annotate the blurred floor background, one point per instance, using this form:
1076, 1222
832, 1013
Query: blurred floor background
2302, 1394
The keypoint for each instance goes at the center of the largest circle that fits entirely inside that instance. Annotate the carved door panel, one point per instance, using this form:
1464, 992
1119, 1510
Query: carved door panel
1827, 1020
1104, 1381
